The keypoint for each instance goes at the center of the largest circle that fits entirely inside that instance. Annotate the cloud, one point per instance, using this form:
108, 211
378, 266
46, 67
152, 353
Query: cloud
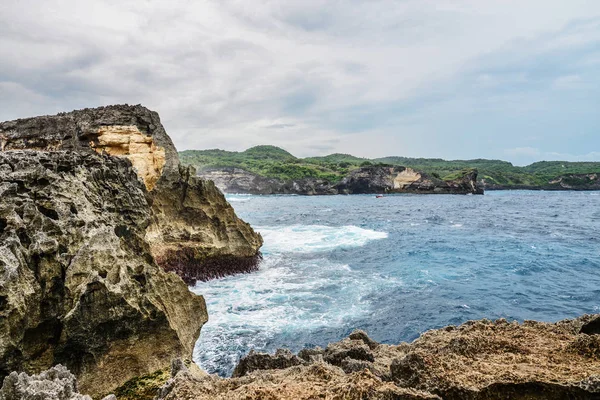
464, 79
523, 151
568, 82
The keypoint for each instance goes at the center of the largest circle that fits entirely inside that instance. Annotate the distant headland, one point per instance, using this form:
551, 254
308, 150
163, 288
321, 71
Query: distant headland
272, 170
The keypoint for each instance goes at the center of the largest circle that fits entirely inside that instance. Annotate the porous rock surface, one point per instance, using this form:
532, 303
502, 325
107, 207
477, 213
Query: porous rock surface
57, 383
479, 360
78, 285
369, 179
92, 204
193, 230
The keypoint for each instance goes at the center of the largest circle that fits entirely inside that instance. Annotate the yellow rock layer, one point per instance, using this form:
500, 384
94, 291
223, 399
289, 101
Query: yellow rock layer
147, 158
405, 178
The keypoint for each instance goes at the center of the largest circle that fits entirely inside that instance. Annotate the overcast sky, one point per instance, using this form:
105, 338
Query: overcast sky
516, 80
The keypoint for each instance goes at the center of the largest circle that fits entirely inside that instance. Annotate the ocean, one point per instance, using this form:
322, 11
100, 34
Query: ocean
400, 265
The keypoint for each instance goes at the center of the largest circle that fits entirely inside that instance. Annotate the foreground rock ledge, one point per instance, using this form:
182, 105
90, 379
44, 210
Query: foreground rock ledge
477, 360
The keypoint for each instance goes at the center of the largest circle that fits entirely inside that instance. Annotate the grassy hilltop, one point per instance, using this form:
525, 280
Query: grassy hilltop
274, 162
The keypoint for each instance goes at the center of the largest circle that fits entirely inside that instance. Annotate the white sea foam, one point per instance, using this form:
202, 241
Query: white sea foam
238, 198
283, 298
315, 238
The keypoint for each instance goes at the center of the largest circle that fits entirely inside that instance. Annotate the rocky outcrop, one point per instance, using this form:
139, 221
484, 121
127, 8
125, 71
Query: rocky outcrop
370, 179
479, 360
78, 284
57, 383
193, 230
382, 179
580, 182
92, 204
237, 180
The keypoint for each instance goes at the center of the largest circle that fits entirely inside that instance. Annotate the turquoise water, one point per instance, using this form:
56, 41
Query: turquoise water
400, 265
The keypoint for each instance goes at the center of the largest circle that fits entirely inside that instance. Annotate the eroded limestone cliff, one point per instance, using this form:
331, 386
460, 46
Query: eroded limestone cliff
92, 204
193, 230
78, 285
479, 360
369, 179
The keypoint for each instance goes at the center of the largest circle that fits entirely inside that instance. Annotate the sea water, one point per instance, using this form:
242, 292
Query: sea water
400, 265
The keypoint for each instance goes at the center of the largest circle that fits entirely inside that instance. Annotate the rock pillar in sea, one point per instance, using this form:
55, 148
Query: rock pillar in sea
91, 203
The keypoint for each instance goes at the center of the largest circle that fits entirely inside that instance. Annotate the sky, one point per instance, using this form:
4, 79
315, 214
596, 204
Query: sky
462, 79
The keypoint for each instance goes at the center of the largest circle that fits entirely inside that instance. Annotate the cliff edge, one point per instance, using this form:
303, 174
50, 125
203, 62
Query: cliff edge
363, 180
94, 210
193, 230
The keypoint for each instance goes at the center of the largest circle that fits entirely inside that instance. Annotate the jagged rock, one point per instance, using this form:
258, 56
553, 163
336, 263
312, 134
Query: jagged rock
193, 231
78, 284
352, 354
362, 335
260, 361
316, 381
591, 327
57, 383
335, 353
382, 179
479, 360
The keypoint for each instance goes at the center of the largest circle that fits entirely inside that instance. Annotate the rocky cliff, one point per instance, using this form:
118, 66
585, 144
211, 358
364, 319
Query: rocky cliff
193, 230
363, 180
479, 360
579, 182
92, 204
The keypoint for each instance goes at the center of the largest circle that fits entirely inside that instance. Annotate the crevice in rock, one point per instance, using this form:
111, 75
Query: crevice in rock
48, 212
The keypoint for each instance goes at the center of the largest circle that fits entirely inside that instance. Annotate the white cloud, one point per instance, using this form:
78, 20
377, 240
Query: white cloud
523, 152
568, 82
222, 73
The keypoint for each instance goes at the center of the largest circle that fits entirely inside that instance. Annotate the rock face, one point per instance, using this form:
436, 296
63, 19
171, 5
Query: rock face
379, 179
479, 360
78, 285
193, 230
57, 383
91, 203
565, 182
370, 179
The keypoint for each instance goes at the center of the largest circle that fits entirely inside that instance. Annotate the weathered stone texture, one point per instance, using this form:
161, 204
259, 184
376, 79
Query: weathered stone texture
78, 285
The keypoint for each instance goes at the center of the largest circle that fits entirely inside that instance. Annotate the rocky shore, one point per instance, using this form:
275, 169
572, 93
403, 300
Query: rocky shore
577, 182
364, 180
479, 360
94, 211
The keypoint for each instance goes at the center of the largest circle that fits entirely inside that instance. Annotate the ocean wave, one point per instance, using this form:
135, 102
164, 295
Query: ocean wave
238, 198
315, 238
248, 311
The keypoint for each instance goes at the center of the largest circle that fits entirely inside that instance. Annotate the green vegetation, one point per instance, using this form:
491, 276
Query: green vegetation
269, 161
274, 162
144, 387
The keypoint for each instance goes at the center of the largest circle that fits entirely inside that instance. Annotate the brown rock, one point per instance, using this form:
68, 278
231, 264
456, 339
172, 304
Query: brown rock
88, 201
193, 230
77, 281
479, 360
